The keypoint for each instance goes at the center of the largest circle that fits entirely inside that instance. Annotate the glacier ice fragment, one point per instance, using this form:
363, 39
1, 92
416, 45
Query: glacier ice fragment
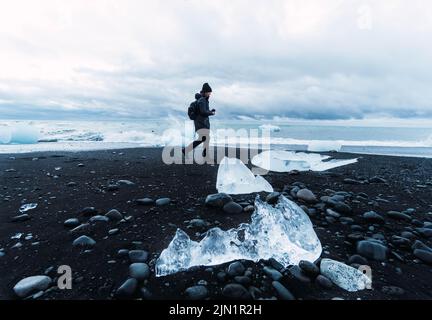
283, 232
344, 276
285, 161
235, 178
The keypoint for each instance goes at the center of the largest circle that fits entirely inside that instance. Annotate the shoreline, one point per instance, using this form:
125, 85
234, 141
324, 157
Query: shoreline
88, 146
89, 179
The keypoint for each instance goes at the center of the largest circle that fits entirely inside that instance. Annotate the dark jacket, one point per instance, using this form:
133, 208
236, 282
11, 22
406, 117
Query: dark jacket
202, 120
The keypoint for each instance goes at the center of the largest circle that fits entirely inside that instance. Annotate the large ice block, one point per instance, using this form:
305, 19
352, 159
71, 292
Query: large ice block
285, 161
283, 232
235, 178
344, 276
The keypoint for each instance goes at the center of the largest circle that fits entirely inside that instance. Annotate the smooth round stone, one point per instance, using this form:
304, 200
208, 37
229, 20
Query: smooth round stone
408, 235
423, 255
283, 293
309, 268
21, 218
420, 245
221, 276
123, 252
217, 200
98, 219
71, 223
249, 208
299, 275
425, 232
332, 213
236, 269
356, 227
113, 187
163, 202
138, 256
30, 285
196, 293
400, 241
145, 202
89, 211
342, 207
324, 282
114, 215
139, 271
373, 217
273, 197
346, 220
276, 264
307, 196
233, 208
377, 180
82, 228
113, 232
244, 280
235, 291
84, 241
127, 289
399, 216
272, 273
357, 259
372, 250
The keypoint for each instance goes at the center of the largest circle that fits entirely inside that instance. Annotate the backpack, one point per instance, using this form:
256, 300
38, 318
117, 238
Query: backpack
193, 110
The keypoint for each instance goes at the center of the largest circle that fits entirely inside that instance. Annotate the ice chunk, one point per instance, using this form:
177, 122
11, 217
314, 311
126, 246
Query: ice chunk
321, 146
346, 277
270, 127
27, 207
235, 178
285, 161
283, 232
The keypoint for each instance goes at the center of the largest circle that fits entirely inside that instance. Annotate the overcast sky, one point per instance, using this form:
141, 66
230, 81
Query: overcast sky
323, 59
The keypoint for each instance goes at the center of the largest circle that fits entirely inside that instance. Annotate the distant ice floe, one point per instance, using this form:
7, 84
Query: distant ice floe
19, 134
285, 161
283, 232
270, 127
235, 178
344, 276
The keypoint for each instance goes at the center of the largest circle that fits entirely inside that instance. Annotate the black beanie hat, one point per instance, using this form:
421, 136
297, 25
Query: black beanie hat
206, 88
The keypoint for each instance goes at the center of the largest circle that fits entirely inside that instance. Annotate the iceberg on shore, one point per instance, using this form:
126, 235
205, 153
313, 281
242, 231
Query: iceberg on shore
235, 178
285, 161
283, 232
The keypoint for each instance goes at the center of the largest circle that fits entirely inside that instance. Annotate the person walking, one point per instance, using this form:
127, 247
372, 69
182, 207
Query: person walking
202, 121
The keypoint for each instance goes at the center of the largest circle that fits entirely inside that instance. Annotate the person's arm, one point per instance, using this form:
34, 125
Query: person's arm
203, 111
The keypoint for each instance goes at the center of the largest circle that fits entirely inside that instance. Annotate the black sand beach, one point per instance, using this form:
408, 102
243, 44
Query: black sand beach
378, 183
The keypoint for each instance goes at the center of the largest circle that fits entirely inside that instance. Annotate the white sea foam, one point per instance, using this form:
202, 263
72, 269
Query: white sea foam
22, 136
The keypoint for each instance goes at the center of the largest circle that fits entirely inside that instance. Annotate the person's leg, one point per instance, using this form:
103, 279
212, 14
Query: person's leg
206, 138
194, 144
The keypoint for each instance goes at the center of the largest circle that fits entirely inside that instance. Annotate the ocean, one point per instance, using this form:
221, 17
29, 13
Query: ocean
375, 137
